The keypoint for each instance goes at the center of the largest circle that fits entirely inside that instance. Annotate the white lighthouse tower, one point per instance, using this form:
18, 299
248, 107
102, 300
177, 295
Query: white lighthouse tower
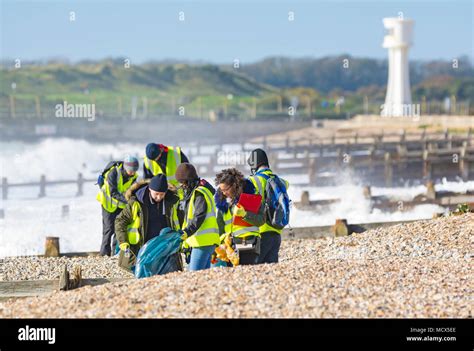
397, 41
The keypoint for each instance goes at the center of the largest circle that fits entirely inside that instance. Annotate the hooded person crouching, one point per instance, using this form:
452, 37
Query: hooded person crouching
152, 206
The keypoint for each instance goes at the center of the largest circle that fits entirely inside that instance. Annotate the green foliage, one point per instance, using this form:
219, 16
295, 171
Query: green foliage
462, 208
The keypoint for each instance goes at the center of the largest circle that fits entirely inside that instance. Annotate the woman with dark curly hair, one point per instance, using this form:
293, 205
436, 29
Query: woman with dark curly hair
231, 183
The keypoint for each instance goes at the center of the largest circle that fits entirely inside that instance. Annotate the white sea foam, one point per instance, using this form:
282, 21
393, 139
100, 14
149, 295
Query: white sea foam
28, 219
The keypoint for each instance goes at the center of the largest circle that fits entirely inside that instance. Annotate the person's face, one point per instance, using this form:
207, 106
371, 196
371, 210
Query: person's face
131, 173
228, 191
157, 196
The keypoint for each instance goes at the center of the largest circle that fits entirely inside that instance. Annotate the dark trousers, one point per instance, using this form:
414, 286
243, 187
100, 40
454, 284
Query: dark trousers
270, 245
108, 232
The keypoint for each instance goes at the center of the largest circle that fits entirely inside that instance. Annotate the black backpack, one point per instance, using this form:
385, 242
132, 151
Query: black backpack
101, 177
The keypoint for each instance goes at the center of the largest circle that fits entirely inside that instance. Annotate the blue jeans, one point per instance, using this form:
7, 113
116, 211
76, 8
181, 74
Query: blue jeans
269, 247
201, 258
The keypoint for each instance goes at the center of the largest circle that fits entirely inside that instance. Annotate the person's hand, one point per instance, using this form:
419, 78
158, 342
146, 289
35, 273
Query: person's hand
184, 235
124, 246
239, 211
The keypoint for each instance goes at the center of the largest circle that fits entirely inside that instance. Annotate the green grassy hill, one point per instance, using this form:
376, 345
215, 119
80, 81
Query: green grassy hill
264, 89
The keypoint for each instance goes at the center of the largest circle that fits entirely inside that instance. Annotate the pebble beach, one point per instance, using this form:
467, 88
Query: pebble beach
422, 269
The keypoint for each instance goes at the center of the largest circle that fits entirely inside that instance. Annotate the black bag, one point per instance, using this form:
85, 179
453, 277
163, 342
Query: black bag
101, 177
250, 244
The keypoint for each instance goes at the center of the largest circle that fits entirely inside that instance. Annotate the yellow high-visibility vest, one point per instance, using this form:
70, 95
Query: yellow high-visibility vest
260, 183
208, 233
175, 225
133, 229
105, 198
173, 160
237, 230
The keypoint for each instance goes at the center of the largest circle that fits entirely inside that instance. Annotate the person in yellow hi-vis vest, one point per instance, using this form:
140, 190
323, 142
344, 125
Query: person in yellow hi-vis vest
231, 185
152, 206
270, 236
161, 159
115, 182
200, 231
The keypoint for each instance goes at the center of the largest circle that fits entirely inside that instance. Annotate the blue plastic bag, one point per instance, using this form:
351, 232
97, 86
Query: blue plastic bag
156, 256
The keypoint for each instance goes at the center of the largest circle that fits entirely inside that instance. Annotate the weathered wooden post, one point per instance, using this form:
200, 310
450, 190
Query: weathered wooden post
80, 185
430, 190
305, 198
340, 158
70, 281
402, 159
65, 211
4, 188
306, 156
367, 191
448, 138
312, 171
388, 169
51, 247
427, 168
12, 106
371, 158
273, 159
340, 228
463, 162
37, 107
42, 192
403, 136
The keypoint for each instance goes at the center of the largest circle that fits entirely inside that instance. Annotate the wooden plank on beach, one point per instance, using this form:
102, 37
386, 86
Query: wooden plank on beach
325, 231
27, 288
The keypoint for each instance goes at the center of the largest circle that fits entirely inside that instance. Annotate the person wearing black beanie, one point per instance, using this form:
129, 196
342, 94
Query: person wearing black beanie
162, 159
270, 236
159, 183
156, 206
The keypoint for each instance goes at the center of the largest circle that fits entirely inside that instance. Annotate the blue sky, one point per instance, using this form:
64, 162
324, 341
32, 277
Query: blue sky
220, 31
